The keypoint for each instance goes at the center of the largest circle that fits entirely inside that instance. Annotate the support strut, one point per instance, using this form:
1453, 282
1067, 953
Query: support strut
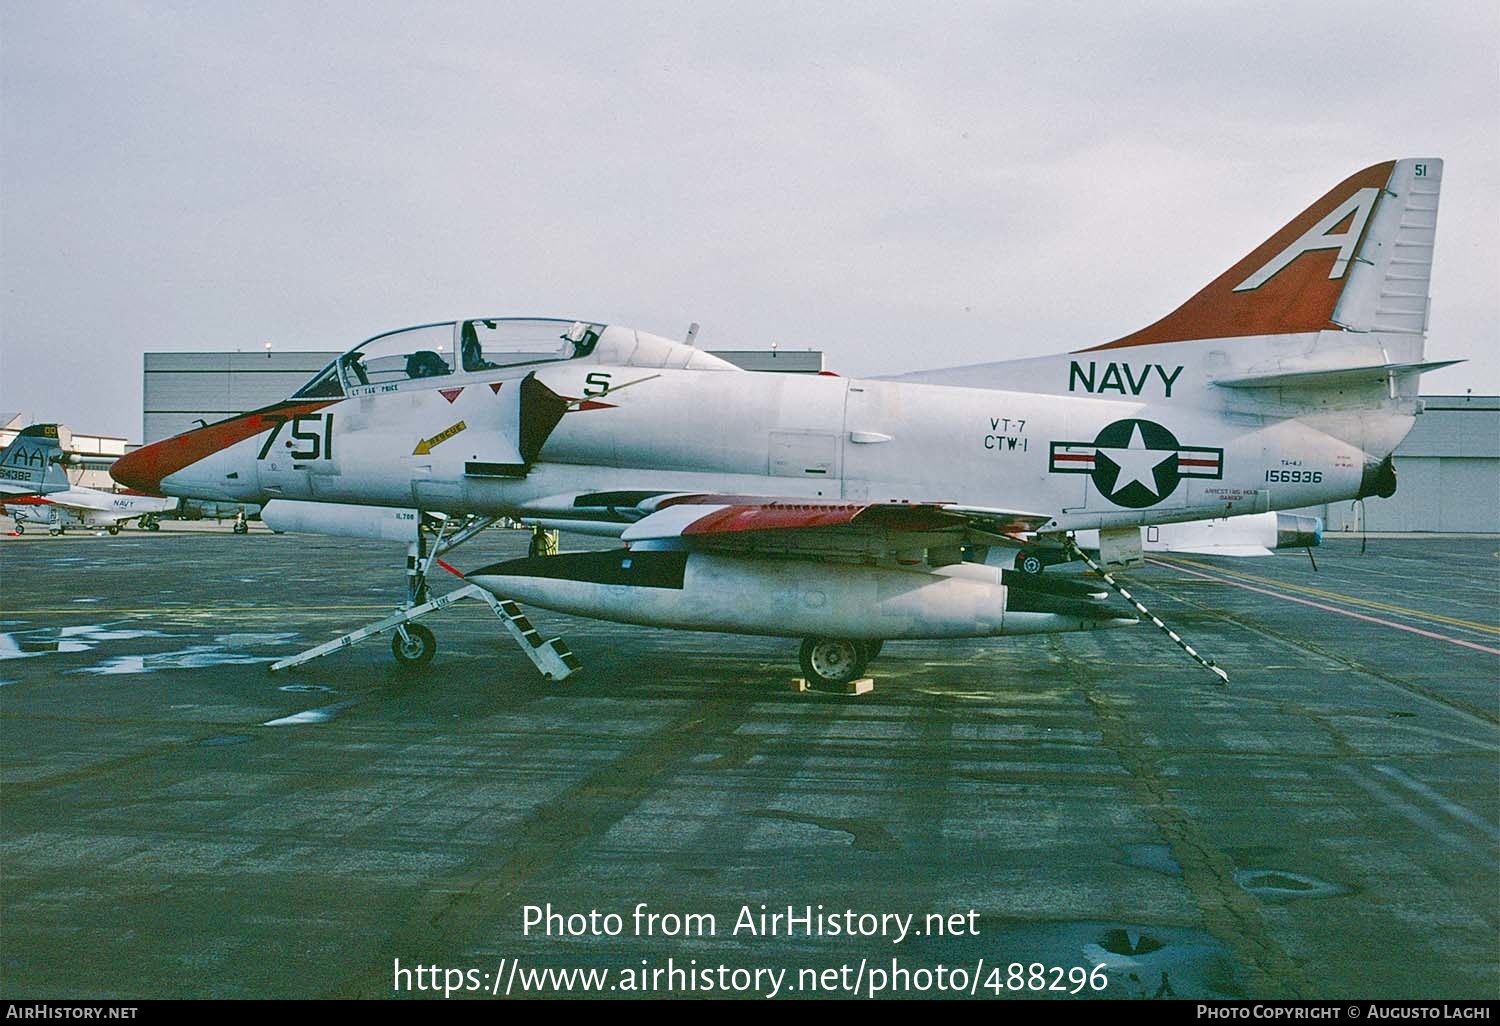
552, 658
1208, 664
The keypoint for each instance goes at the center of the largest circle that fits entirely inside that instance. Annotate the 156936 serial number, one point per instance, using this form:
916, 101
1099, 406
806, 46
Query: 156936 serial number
1295, 476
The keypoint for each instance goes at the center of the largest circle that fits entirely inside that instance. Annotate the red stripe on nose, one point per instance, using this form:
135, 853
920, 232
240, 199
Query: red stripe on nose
147, 466
142, 469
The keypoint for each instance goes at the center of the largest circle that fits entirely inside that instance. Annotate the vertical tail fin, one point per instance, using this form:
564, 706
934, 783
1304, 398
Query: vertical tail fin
33, 463
1358, 260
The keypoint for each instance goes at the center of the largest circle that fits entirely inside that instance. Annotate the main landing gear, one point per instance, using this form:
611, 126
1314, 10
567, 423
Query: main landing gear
835, 662
1033, 561
414, 645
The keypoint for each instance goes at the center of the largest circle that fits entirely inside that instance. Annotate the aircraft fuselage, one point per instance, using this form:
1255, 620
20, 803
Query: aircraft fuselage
1087, 462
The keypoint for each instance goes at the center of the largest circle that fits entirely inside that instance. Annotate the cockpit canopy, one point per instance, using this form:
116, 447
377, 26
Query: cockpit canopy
452, 348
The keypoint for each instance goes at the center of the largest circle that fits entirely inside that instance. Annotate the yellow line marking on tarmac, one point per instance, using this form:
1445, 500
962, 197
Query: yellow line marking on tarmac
1386, 607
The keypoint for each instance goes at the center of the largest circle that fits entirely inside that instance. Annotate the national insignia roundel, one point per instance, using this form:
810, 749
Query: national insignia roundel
1136, 463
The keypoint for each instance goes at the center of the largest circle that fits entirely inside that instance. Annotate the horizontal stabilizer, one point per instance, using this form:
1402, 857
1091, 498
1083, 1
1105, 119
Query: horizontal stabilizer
1330, 377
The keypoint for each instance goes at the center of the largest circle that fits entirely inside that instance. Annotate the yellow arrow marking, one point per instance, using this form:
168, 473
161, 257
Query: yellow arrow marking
426, 445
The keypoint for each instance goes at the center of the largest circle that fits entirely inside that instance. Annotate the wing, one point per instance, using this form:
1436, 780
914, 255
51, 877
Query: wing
909, 532
82, 500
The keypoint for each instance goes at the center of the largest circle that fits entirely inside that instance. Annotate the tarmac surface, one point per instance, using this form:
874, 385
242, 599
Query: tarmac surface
177, 822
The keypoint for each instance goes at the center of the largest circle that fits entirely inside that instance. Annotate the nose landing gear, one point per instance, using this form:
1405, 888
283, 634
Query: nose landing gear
414, 645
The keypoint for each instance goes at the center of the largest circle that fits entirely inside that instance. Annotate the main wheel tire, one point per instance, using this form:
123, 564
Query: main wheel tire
20, 527
872, 649
241, 528
54, 531
113, 529
1029, 563
154, 526
830, 662
417, 648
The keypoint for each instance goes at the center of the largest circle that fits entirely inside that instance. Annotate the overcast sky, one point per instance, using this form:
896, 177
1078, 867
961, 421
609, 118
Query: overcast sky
904, 185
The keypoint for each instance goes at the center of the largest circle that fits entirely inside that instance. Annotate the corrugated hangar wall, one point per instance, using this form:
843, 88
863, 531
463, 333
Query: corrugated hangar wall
1447, 474
1447, 469
180, 389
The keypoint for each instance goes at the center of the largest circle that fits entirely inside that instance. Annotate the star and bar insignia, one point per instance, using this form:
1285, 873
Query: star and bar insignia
1136, 463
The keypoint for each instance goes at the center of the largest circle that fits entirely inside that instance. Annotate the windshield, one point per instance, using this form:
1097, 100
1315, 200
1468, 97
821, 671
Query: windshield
452, 348
325, 385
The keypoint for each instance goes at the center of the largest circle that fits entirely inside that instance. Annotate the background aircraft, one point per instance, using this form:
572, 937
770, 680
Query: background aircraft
35, 490
34, 463
86, 508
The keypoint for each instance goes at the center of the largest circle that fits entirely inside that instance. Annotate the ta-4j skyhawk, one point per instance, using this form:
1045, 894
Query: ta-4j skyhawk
847, 511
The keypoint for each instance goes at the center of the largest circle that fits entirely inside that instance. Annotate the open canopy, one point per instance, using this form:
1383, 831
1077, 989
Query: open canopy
452, 348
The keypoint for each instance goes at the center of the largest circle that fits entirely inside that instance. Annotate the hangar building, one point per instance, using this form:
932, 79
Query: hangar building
1447, 474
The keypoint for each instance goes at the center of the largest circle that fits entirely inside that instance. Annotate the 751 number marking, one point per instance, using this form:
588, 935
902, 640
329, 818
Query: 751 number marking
314, 432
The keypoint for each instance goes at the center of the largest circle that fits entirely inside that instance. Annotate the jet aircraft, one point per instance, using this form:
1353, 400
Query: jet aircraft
34, 489
847, 511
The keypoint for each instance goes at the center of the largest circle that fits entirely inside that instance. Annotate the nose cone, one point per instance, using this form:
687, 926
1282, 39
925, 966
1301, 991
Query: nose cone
143, 469
180, 465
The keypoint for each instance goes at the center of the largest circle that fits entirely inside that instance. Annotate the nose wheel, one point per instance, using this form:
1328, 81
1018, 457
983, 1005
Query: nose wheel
413, 645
